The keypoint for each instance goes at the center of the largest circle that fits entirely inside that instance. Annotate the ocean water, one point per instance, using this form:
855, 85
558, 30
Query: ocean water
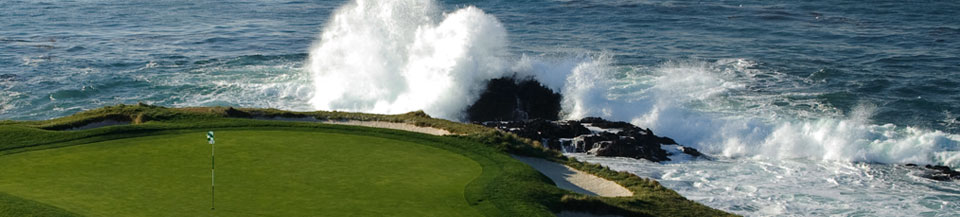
809, 107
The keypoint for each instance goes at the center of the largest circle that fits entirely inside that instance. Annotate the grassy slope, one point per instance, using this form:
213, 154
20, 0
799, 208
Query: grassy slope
505, 188
280, 173
15, 206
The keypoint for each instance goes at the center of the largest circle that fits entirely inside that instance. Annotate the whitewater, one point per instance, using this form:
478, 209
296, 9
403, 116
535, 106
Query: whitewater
809, 108
399, 56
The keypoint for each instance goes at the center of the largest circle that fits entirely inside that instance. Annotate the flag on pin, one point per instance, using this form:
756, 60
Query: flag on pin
212, 173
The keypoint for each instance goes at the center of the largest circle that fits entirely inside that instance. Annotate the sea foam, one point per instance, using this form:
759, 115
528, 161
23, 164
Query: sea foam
401, 56
709, 105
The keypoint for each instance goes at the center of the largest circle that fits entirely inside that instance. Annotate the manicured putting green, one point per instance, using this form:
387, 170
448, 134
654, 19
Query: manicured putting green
259, 173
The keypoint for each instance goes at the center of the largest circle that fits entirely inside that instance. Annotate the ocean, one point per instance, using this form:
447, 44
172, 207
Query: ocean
808, 107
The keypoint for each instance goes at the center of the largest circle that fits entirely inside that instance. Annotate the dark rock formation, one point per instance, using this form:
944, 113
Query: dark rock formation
539, 129
614, 139
605, 124
939, 173
690, 151
510, 99
625, 146
527, 108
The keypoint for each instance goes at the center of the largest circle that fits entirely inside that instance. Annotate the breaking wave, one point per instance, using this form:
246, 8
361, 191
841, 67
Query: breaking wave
719, 107
400, 56
405, 55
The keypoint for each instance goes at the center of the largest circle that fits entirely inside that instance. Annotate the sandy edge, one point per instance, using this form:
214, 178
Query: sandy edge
376, 124
391, 125
575, 180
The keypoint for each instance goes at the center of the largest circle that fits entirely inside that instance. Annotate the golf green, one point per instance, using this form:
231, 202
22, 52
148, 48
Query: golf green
258, 173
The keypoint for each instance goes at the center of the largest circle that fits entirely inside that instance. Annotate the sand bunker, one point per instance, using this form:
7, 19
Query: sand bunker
577, 181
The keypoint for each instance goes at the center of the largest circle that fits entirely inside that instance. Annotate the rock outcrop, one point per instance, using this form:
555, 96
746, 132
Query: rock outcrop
529, 109
939, 173
512, 99
598, 137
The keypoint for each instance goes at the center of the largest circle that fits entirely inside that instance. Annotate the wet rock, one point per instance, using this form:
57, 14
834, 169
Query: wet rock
615, 139
941, 173
628, 147
690, 151
604, 124
669, 141
938, 172
538, 129
513, 99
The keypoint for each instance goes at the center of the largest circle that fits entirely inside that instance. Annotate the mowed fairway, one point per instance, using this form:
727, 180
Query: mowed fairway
259, 173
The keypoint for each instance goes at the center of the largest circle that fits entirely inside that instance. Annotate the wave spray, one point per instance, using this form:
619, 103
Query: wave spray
404, 55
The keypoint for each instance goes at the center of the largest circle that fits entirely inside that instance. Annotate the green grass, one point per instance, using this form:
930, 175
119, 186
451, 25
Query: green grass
15, 206
105, 156
260, 172
504, 187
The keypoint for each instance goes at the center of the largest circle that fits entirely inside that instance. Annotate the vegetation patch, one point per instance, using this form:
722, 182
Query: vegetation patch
505, 187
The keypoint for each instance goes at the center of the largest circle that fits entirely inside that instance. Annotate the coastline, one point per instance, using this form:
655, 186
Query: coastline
139, 120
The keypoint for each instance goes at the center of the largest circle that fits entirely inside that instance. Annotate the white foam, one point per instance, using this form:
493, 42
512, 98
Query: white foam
7, 100
405, 55
279, 86
781, 152
597, 130
756, 187
691, 102
676, 153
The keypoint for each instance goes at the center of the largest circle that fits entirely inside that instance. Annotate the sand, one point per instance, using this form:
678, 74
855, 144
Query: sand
377, 124
391, 125
577, 181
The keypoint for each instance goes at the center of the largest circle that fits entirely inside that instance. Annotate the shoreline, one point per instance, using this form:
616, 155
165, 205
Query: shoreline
140, 119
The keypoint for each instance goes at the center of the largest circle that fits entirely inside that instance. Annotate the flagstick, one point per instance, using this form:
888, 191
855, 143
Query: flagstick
213, 175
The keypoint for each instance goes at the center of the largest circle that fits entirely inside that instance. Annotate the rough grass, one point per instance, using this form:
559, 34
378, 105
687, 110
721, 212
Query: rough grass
511, 189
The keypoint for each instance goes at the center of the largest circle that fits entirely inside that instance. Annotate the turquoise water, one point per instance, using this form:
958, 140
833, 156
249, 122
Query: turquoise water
824, 95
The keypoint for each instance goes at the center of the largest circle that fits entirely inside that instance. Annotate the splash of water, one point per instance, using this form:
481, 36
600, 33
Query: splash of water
405, 55
400, 56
